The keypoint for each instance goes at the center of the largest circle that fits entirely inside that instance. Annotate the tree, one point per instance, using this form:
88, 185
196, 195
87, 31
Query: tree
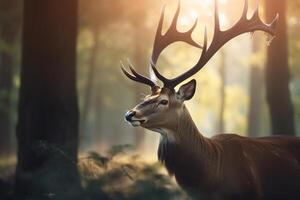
294, 59
140, 58
255, 97
10, 25
47, 129
139, 55
277, 73
89, 83
255, 86
97, 24
222, 72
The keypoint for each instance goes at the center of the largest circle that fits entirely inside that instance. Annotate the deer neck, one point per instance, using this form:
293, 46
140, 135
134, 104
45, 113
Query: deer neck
184, 134
187, 154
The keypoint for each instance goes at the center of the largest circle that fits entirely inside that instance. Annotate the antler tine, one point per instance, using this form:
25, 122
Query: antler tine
245, 10
157, 74
244, 25
156, 47
171, 36
173, 25
141, 77
217, 19
256, 12
136, 76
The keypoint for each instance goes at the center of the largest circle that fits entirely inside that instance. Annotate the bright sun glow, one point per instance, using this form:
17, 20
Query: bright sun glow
191, 15
210, 2
223, 19
184, 21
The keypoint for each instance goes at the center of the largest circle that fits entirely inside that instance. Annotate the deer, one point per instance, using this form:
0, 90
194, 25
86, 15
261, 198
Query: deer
225, 166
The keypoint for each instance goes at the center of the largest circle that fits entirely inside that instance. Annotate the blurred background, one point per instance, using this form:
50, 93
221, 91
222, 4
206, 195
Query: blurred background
234, 90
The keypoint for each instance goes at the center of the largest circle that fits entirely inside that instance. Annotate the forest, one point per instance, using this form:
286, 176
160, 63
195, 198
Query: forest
63, 96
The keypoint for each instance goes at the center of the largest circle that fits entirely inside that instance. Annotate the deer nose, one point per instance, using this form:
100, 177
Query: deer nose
129, 114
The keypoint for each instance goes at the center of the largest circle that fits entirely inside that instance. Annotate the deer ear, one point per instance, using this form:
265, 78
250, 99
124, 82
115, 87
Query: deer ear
187, 91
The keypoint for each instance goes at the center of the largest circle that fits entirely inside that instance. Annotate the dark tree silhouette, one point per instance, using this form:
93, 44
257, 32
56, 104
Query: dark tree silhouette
255, 87
47, 129
277, 73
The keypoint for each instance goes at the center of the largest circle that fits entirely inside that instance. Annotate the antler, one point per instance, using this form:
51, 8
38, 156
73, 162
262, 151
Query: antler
220, 37
172, 35
137, 77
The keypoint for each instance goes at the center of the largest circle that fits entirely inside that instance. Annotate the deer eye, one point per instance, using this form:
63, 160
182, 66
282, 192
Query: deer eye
163, 102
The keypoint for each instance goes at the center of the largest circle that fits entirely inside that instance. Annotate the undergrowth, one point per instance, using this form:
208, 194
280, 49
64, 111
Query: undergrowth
120, 174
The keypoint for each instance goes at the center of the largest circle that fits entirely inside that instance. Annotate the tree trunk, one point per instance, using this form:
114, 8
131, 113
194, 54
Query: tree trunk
222, 71
8, 33
140, 65
6, 76
255, 104
140, 89
255, 96
47, 129
98, 106
89, 86
277, 73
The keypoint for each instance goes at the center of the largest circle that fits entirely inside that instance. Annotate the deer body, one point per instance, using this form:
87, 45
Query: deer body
227, 166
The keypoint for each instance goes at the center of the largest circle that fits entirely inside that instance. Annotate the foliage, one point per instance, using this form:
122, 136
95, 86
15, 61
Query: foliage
123, 175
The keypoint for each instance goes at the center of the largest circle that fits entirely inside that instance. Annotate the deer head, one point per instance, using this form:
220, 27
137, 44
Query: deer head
162, 108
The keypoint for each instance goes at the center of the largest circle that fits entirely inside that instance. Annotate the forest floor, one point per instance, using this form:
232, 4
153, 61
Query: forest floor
7, 169
128, 175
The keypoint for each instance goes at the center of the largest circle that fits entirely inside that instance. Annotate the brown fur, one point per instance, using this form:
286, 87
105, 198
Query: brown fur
229, 166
